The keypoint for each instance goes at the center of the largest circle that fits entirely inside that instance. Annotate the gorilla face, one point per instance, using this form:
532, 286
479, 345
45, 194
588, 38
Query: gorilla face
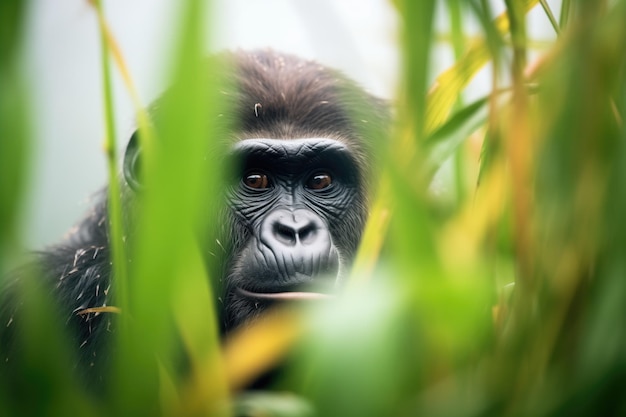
300, 207
300, 138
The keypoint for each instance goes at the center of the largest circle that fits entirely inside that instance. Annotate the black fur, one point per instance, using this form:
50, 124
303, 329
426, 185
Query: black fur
272, 95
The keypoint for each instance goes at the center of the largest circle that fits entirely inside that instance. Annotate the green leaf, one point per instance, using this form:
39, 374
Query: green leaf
443, 142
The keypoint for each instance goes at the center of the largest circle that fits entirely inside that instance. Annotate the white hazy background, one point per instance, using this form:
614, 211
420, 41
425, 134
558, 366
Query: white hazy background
62, 69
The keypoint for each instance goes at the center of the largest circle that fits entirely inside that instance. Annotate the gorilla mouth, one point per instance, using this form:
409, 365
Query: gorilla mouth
284, 296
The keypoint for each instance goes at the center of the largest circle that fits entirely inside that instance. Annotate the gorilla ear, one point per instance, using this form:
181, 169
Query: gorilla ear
132, 163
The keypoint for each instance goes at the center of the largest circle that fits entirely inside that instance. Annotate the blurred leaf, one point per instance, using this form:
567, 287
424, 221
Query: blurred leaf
565, 13
405, 139
166, 261
272, 404
575, 248
455, 11
204, 390
449, 84
272, 336
441, 98
42, 382
14, 128
416, 40
373, 237
360, 355
444, 141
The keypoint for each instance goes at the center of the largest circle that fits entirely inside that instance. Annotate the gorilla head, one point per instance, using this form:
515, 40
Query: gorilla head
297, 202
300, 150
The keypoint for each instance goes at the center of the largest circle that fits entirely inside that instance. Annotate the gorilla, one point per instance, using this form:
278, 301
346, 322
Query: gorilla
302, 139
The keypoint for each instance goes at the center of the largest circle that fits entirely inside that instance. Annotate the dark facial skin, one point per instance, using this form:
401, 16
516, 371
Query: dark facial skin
288, 195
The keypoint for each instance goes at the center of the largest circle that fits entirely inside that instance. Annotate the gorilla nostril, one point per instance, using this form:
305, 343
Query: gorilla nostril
285, 234
307, 233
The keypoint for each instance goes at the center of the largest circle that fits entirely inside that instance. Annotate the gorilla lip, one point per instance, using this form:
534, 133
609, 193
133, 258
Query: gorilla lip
289, 295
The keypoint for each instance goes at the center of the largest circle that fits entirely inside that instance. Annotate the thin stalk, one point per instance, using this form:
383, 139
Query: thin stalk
548, 11
456, 30
116, 232
565, 13
456, 27
147, 133
519, 147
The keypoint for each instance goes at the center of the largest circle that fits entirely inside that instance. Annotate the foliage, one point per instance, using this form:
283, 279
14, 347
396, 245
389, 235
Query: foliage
502, 296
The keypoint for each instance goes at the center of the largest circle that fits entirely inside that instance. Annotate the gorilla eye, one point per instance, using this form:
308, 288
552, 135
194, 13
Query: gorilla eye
256, 180
319, 181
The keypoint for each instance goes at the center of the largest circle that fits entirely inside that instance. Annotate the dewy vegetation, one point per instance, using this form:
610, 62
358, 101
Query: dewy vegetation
504, 296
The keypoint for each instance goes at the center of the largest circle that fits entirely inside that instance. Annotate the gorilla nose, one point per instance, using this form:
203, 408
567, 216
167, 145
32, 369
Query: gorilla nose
300, 246
291, 229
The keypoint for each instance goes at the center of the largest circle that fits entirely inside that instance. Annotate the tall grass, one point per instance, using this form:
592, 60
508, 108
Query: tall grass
507, 299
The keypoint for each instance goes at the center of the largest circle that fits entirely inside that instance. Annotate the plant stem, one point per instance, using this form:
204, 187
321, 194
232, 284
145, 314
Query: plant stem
116, 229
565, 13
458, 41
548, 11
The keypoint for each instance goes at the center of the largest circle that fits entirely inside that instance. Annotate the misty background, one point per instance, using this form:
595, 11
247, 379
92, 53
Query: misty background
61, 61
